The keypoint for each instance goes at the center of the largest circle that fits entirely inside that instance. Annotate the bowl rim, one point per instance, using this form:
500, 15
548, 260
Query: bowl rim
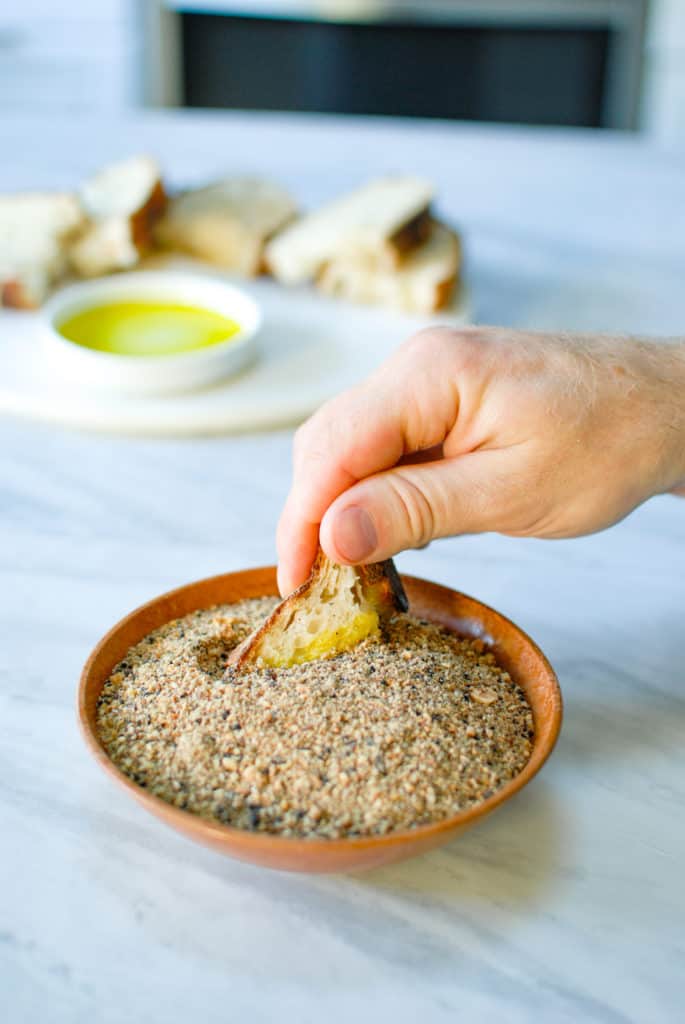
82, 295
208, 831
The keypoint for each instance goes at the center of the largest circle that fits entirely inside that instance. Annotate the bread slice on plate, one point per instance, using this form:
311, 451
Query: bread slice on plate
227, 223
333, 611
122, 202
384, 218
35, 228
424, 282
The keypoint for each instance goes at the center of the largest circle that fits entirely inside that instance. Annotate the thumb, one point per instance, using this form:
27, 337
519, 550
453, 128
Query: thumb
408, 506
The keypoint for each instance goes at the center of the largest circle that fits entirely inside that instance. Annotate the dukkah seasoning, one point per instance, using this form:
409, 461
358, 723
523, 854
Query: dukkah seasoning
394, 734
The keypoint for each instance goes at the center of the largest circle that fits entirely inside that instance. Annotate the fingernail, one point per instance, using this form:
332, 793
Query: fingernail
354, 534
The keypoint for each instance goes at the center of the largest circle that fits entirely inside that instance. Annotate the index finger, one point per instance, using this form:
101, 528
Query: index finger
409, 404
330, 454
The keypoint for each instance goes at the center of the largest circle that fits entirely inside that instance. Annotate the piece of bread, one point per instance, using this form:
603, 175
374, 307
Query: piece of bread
382, 218
424, 282
337, 608
35, 228
123, 202
29, 286
227, 223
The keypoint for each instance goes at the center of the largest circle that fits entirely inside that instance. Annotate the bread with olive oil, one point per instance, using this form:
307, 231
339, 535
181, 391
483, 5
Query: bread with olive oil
333, 611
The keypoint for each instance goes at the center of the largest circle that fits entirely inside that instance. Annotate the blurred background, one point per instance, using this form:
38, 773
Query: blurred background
607, 64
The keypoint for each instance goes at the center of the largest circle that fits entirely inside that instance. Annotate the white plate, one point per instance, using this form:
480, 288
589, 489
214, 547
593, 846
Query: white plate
310, 347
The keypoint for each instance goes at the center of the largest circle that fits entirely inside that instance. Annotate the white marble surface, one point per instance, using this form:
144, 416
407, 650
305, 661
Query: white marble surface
568, 905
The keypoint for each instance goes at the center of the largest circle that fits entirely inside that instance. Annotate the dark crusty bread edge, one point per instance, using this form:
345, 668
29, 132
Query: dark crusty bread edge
143, 220
412, 234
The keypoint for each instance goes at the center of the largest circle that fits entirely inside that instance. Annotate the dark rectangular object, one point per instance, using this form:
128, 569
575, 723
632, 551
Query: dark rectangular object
491, 73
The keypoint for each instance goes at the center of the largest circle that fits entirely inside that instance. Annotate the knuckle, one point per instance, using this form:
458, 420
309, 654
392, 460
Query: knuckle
415, 510
309, 440
301, 437
323, 425
470, 347
457, 348
303, 433
430, 340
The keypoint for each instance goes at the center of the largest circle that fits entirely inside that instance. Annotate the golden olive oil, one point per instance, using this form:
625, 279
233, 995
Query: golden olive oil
329, 642
140, 328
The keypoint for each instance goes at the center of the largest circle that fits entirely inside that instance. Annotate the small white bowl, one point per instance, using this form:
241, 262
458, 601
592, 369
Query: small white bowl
152, 375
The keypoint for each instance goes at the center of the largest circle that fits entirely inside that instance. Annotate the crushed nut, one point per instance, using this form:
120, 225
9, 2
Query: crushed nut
484, 696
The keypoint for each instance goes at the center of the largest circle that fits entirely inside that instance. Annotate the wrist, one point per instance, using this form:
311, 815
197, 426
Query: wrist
654, 409
674, 415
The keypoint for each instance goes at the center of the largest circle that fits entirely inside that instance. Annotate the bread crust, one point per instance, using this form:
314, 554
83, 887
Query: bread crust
423, 280
385, 576
444, 293
380, 578
14, 295
143, 220
413, 234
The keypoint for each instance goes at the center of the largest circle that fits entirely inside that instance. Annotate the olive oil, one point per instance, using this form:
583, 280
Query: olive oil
145, 328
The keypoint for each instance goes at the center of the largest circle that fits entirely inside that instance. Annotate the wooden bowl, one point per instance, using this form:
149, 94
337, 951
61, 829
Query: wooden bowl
515, 651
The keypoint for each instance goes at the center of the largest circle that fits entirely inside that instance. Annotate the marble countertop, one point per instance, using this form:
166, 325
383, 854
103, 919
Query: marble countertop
568, 904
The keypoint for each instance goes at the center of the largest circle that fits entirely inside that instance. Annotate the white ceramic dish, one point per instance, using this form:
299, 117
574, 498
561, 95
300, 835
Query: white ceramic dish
310, 347
152, 375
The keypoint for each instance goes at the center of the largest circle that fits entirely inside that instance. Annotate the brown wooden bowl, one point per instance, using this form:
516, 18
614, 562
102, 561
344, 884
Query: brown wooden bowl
515, 651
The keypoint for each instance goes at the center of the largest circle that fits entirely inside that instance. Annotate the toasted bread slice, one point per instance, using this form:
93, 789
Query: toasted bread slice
337, 608
424, 282
35, 228
382, 218
123, 202
227, 223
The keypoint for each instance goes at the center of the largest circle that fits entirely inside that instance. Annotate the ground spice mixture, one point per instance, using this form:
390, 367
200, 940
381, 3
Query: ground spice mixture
391, 735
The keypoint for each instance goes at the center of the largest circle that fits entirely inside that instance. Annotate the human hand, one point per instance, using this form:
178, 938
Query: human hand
467, 431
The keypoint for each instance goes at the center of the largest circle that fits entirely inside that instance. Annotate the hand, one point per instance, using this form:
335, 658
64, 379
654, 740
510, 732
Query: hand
465, 431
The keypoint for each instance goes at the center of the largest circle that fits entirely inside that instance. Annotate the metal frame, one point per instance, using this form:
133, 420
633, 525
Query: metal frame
159, 70
627, 18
